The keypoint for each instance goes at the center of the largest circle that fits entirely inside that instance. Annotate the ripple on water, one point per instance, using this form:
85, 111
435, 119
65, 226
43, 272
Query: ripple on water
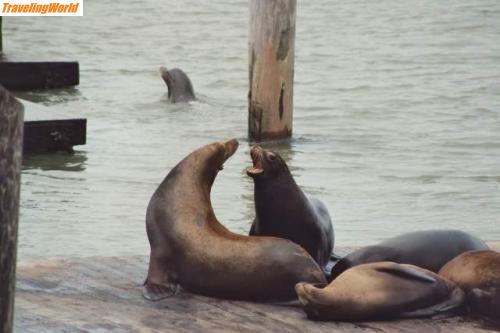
396, 117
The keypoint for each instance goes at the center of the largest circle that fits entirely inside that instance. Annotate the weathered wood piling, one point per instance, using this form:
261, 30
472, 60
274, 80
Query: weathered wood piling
11, 134
1, 41
271, 68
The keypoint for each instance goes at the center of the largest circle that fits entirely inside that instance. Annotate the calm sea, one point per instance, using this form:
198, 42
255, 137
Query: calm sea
396, 124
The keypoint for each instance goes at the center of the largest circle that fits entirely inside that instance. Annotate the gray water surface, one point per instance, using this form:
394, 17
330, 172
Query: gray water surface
396, 124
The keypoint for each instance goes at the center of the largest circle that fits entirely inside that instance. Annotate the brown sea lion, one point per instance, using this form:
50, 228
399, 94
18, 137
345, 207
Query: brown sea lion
178, 84
478, 274
380, 291
283, 210
429, 249
190, 248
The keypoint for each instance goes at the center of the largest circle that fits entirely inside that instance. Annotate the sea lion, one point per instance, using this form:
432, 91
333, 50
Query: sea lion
179, 86
283, 210
190, 248
478, 274
429, 249
379, 291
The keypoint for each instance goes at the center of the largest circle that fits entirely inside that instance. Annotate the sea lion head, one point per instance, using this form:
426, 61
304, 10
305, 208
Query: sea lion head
266, 164
179, 86
213, 157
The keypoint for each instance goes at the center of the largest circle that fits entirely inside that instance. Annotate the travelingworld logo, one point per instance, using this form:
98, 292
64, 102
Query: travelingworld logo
41, 8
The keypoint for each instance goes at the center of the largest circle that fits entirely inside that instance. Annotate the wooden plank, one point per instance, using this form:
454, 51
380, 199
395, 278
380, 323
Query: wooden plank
11, 134
19, 76
54, 135
48, 129
104, 294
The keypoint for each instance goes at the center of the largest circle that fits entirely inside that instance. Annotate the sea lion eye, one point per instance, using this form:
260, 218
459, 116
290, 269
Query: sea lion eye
272, 157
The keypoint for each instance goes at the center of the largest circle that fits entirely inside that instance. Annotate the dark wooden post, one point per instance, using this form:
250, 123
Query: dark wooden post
1, 44
11, 134
271, 61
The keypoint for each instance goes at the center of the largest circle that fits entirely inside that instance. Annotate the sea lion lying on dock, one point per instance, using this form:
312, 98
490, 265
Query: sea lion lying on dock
283, 210
478, 274
429, 249
178, 84
190, 248
380, 291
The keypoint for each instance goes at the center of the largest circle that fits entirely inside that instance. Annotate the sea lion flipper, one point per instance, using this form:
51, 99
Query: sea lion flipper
444, 309
407, 273
156, 292
252, 230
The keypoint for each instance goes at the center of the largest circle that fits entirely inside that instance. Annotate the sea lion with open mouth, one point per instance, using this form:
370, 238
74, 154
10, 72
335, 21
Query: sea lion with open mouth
283, 210
190, 248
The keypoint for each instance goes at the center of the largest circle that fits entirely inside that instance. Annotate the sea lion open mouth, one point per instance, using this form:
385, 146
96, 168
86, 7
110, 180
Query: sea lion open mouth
257, 155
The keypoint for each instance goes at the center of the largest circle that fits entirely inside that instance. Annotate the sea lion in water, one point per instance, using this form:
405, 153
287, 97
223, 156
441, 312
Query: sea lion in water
283, 210
478, 274
190, 248
378, 291
429, 249
179, 86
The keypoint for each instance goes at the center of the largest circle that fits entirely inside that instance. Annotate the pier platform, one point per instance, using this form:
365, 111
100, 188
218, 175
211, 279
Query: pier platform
97, 294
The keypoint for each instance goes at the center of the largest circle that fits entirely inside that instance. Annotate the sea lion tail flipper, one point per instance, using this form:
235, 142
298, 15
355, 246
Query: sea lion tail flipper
159, 283
156, 292
444, 309
335, 257
252, 230
310, 298
310, 293
407, 273
328, 268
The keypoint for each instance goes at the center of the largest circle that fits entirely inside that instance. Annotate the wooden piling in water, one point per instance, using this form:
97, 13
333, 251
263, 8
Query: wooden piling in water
271, 68
11, 134
1, 41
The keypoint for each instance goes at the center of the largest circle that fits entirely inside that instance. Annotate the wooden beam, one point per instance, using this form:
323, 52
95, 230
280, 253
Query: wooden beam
54, 135
11, 135
19, 76
49, 129
271, 68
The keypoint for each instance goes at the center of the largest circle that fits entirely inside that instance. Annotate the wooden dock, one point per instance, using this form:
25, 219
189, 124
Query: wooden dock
104, 295
29, 75
49, 129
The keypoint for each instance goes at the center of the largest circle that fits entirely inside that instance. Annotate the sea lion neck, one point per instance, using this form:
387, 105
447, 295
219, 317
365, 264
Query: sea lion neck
278, 191
283, 180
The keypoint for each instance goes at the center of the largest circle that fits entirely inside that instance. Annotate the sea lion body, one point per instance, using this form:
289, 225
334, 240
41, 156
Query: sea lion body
478, 274
380, 291
283, 210
178, 84
190, 248
429, 249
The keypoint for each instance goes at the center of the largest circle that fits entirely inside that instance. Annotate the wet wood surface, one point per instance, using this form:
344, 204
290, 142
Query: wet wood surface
48, 129
271, 68
29, 75
104, 295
